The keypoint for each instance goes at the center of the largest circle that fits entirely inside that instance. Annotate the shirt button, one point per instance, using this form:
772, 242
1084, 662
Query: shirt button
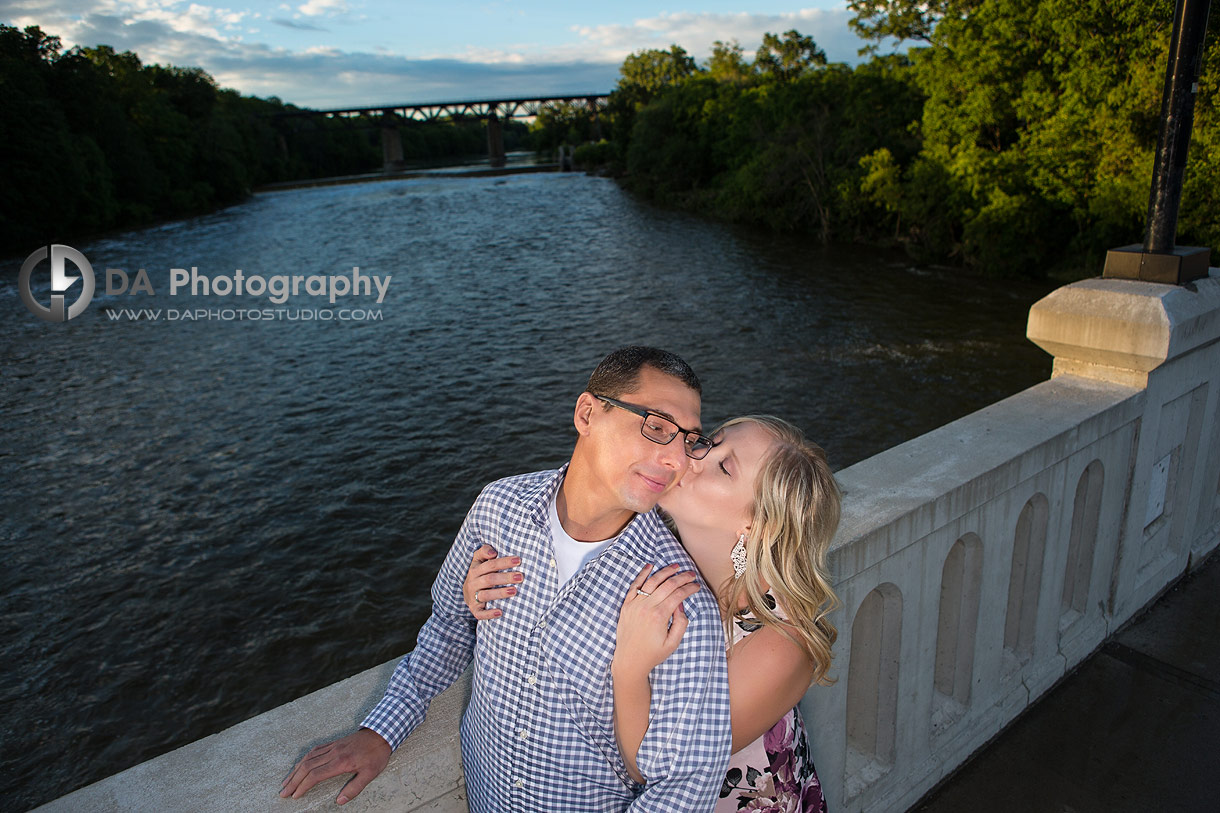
542, 624
523, 734
553, 565
520, 783
531, 680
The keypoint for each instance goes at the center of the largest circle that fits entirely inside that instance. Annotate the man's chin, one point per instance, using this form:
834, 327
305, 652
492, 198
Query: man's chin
641, 503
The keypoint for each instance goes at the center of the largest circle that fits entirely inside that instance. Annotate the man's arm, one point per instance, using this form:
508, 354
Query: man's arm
686, 749
442, 652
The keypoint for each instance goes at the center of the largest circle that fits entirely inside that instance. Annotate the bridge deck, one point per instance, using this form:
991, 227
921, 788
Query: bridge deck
521, 107
1134, 727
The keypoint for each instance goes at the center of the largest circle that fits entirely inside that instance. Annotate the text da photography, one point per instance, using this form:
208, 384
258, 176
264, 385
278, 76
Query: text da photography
276, 287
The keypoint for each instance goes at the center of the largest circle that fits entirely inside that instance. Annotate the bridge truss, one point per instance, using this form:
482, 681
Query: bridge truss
521, 108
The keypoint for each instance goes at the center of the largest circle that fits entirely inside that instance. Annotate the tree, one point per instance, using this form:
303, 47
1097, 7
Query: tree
1046, 118
647, 73
728, 63
135, 142
786, 59
901, 19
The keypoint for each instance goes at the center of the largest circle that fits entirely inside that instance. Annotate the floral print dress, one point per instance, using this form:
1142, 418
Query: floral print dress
773, 774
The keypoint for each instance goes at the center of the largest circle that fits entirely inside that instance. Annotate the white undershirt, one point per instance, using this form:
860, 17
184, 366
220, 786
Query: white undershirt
571, 554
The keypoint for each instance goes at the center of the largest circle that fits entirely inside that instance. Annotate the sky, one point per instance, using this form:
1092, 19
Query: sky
337, 53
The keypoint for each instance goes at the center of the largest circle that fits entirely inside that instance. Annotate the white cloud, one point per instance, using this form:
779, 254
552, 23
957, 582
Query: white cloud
696, 32
314, 8
78, 22
211, 37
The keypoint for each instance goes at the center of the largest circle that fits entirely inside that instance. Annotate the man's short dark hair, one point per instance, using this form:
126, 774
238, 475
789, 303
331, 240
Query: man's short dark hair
619, 372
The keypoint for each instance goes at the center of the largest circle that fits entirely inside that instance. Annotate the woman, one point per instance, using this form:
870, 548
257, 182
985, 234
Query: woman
757, 516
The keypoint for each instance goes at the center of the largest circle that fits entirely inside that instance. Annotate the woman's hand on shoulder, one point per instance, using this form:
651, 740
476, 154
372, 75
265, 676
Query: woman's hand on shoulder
490, 579
652, 622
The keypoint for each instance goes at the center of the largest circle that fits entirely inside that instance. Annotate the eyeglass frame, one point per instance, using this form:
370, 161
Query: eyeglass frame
644, 412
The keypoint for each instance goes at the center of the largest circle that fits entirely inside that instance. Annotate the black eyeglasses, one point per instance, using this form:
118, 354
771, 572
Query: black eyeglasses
662, 430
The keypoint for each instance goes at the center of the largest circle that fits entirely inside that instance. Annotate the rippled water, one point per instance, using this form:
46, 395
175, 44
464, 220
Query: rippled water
203, 520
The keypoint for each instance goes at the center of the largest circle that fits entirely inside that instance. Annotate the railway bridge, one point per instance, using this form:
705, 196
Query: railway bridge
388, 118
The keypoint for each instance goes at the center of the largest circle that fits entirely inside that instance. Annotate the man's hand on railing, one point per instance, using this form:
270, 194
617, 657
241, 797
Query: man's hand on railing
364, 753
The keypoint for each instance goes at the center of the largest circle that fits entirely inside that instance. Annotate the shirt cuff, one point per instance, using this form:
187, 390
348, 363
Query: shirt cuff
392, 719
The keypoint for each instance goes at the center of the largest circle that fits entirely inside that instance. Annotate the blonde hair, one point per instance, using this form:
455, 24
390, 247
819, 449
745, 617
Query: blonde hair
793, 519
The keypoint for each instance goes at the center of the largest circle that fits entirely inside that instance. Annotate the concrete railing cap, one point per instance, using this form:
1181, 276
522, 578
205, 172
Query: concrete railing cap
1126, 324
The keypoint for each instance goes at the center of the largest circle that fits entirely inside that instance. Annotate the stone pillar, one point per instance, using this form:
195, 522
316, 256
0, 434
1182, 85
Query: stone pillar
1163, 340
495, 140
1121, 330
597, 122
391, 143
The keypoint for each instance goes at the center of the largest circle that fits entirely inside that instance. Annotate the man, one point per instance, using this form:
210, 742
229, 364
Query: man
538, 733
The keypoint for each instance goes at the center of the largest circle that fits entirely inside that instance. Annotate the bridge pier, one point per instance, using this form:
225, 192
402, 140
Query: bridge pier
391, 143
495, 139
597, 122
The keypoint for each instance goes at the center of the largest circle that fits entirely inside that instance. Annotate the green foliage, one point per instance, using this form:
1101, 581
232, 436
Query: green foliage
567, 124
786, 59
882, 182
596, 155
1199, 221
1045, 121
778, 145
728, 63
646, 73
96, 140
671, 145
901, 19
642, 77
1019, 139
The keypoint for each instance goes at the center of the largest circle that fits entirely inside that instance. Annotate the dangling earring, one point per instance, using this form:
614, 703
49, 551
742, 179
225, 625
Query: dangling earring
739, 557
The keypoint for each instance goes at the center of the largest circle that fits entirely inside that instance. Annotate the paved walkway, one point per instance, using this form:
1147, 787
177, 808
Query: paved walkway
1135, 728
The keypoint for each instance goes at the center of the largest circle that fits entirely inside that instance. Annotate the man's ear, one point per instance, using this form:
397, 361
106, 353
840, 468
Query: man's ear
582, 416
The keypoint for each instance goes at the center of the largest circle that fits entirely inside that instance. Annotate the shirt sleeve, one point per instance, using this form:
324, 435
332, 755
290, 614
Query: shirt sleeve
443, 649
686, 749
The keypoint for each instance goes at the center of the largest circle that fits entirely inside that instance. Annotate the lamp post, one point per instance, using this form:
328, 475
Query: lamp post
1158, 259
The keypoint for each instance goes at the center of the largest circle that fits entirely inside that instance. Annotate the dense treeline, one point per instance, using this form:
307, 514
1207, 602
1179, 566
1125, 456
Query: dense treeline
1016, 136
95, 140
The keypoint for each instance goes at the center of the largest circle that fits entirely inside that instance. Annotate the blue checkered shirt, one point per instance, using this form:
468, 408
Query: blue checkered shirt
538, 733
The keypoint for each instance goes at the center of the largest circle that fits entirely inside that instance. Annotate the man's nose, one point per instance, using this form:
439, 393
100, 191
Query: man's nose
673, 454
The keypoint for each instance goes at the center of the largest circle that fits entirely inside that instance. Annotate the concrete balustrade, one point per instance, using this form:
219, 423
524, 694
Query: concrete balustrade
977, 564
980, 562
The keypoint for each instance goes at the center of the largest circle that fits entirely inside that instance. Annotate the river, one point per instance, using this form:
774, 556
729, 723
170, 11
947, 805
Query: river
206, 518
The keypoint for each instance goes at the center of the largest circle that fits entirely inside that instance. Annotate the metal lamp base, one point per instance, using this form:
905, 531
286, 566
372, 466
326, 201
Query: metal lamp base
1177, 267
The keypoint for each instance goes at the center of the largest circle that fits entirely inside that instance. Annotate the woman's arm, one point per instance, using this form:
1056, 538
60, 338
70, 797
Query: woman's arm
632, 698
768, 675
650, 626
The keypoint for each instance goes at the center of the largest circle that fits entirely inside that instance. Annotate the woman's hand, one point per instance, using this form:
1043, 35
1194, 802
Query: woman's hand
489, 579
652, 622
